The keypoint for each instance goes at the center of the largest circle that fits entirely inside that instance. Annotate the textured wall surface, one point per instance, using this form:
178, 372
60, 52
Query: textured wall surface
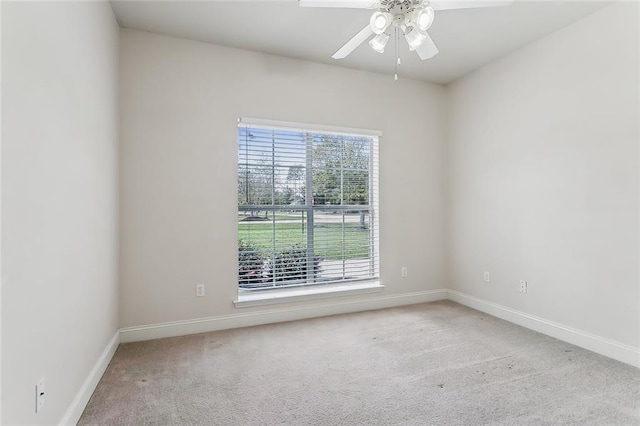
59, 200
543, 177
180, 101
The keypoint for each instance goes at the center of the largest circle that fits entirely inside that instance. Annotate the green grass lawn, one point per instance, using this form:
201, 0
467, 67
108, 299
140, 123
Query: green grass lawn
328, 237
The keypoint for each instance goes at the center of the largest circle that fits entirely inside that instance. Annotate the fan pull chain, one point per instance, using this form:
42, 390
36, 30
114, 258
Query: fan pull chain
397, 45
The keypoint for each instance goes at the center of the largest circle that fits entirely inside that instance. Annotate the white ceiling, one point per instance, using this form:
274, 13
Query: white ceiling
467, 38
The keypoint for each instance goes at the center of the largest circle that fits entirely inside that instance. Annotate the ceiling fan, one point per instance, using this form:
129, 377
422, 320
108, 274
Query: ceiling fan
410, 17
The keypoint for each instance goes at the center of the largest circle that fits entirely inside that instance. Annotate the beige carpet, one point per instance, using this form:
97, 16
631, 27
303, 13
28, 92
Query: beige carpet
429, 364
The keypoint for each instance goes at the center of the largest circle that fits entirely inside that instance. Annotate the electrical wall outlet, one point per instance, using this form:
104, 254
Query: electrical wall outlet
39, 395
487, 277
404, 272
200, 290
523, 286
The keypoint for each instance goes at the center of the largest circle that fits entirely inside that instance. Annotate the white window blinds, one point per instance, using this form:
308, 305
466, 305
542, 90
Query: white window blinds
307, 205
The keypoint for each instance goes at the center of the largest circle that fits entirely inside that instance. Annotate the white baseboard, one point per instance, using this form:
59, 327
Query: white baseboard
79, 403
609, 348
203, 325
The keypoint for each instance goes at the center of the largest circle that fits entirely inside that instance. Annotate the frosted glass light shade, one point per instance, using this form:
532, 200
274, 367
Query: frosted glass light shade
414, 38
379, 42
380, 21
423, 18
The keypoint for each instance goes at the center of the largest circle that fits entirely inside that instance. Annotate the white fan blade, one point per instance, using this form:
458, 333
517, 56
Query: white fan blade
356, 41
428, 49
466, 4
358, 4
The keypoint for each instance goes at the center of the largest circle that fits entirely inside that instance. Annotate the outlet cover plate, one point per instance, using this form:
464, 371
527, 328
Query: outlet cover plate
200, 290
523, 286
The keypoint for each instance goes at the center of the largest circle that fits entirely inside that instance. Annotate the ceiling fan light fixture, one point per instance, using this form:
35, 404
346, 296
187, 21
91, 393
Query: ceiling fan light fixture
414, 38
380, 21
379, 42
422, 18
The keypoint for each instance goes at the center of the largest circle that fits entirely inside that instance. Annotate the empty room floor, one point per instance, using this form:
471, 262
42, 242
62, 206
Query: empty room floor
433, 363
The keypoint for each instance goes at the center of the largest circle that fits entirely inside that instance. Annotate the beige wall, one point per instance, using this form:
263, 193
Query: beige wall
59, 201
543, 177
180, 101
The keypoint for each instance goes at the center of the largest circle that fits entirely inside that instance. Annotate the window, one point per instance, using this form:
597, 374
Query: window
307, 205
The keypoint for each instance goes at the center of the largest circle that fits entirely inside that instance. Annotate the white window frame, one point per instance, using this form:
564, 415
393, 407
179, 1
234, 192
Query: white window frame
292, 293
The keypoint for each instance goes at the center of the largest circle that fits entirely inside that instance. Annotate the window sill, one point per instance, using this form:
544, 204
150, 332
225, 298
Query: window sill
296, 295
